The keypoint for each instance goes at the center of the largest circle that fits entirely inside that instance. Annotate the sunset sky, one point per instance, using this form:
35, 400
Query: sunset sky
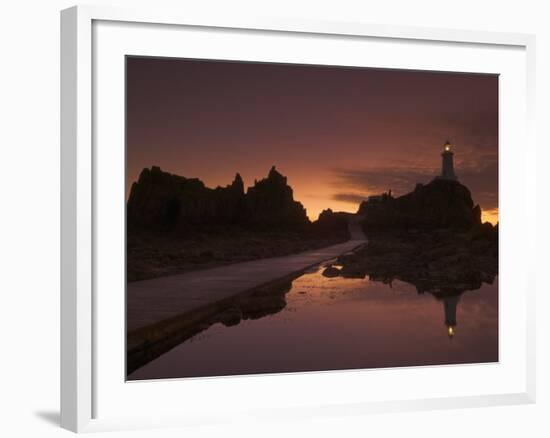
338, 134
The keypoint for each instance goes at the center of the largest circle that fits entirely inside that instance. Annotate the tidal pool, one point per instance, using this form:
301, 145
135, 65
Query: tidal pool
340, 323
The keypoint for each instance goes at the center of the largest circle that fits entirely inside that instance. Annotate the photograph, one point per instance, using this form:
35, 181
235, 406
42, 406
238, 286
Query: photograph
275, 219
290, 218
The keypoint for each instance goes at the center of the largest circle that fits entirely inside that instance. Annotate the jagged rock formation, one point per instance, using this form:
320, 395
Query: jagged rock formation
439, 204
160, 200
271, 202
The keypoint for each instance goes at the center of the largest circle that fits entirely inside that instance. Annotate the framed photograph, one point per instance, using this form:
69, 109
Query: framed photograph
253, 208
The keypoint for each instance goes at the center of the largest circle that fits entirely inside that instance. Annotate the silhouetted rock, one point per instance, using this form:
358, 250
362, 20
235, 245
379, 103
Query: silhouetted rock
231, 316
329, 219
160, 200
271, 202
265, 300
439, 261
333, 222
439, 204
331, 271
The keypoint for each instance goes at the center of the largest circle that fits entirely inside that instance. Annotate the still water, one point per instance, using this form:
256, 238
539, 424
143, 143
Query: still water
340, 323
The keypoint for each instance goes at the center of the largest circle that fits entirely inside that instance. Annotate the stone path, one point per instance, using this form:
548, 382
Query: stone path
150, 302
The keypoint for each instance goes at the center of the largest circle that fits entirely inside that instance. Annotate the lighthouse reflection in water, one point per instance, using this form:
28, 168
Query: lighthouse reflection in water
450, 304
342, 323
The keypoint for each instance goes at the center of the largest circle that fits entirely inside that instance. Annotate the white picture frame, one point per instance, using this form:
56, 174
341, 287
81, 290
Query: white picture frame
82, 373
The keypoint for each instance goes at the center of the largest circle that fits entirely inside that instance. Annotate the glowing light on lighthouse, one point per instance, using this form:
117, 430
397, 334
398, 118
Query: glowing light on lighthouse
447, 166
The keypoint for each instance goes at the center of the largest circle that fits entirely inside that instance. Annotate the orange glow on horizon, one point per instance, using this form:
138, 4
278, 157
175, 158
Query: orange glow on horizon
490, 215
314, 193
314, 205
313, 210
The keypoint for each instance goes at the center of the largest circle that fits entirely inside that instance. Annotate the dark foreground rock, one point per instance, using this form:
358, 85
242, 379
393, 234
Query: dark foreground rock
442, 261
331, 271
153, 254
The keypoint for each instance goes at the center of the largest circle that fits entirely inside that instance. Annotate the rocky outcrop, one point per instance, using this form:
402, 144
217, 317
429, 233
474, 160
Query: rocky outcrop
442, 261
439, 204
160, 200
333, 223
271, 202
328, 218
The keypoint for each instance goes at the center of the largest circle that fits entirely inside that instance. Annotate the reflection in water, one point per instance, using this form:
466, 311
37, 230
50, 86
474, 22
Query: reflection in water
450, 304
318, 322
253, 304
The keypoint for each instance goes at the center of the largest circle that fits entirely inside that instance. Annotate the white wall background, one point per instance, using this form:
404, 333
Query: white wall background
29, 216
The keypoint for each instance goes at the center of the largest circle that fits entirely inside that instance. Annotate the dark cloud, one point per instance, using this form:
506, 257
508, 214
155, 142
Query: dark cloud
480, 176
381, 179
482, 180
353, 198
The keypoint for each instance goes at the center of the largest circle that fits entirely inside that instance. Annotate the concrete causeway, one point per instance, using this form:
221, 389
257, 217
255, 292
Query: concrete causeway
150, 302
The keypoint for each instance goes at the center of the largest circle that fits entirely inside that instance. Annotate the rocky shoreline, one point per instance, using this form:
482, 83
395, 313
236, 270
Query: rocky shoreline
441, 261
152, 254
266, 299
177, 224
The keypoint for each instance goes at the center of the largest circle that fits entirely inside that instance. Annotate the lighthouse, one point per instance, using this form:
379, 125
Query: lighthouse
447, 166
